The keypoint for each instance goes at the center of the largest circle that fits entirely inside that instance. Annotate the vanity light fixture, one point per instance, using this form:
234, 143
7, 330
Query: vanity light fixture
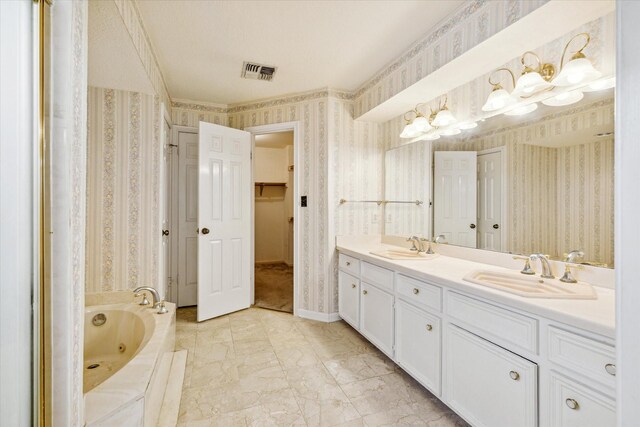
564, 98
579, 69
467, 125
431, 136
450, 131
533, 78
522, 110
601, 84
414, 127
443, 117
499, 97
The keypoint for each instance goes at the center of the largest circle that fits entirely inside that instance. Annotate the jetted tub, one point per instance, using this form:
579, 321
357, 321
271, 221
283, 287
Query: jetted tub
128, 351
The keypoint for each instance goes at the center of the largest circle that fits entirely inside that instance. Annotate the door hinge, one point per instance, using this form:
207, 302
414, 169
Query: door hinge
251, 155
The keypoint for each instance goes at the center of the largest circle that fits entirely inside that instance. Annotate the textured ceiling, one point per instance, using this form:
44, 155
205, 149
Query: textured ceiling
201, 45
113, 60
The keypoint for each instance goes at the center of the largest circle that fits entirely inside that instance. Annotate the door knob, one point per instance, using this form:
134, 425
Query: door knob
496, 226
165, 232
472, 226
205, 231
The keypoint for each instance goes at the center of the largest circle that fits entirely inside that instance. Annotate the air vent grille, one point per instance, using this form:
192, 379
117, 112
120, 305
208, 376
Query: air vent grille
251, 70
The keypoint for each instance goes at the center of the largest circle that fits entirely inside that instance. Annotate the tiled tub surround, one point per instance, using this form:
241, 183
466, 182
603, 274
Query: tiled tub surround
493, 357
133, 395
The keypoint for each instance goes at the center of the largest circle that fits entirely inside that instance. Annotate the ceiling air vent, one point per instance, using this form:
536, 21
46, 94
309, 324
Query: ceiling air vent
251, 70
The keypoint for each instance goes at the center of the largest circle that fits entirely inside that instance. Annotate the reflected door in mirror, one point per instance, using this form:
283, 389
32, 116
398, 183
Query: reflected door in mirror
490, 200
455, 206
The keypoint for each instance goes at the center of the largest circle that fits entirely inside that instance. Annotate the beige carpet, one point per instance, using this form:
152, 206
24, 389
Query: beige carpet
274, 287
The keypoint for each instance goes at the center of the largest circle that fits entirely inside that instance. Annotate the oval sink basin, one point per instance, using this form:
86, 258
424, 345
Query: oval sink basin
532, 286
403, 254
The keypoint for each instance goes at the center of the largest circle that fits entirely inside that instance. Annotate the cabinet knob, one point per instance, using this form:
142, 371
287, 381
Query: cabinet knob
353, 285
610, 368
364, 292
572, 404
348, 263
514, 375
429, 327
416, 291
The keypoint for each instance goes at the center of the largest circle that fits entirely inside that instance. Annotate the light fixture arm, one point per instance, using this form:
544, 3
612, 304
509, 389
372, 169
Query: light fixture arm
496, 85
578, 53
411, 119
527, 68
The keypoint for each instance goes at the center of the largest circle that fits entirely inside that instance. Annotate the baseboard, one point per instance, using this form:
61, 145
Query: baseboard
320, 317
270, 262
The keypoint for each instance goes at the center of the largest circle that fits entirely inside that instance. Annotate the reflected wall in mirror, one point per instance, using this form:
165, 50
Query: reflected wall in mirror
407, 180
543, 185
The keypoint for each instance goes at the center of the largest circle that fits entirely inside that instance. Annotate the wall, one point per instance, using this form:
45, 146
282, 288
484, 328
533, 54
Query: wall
189, 113
123, 190
270, 165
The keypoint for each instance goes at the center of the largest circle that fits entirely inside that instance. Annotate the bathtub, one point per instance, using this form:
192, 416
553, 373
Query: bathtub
128, 351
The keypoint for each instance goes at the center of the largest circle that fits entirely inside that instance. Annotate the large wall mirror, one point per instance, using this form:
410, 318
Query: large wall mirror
521, 184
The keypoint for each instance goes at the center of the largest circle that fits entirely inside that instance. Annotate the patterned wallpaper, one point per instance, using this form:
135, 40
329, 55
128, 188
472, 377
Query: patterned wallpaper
187, 113
123, 186
558, 199
476, 21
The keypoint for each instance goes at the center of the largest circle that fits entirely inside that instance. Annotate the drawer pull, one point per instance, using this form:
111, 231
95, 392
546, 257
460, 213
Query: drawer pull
514, 375
353, 285
348, 263
572, 404
429, 327
610, 368
364, 292
416, 291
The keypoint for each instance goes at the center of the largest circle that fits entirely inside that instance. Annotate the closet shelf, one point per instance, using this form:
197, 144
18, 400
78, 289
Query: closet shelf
269, 184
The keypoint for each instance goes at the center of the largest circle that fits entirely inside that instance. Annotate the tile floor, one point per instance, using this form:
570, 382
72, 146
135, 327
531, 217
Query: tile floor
260, 367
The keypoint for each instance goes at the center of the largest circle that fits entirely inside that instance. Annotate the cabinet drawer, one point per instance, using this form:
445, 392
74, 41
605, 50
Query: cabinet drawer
419, 293
583, 355
498, 325
377, 275
349, 298
349, 264
488, 385
574, 405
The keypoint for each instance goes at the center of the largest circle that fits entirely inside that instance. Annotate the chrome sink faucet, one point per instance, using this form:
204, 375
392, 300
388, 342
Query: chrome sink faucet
417, 244
544, 263
154, 294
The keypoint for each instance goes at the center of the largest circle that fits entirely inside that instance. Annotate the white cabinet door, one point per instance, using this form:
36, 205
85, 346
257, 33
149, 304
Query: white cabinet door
418, 345
486, 384
349, 299
574, 405
376, 317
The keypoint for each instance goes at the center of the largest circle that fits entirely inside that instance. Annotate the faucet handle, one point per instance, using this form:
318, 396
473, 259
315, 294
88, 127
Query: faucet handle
412, 239
144, 301
567, 277
162, 309
527, 265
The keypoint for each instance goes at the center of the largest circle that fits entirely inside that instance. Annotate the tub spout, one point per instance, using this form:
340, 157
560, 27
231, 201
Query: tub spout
154, 294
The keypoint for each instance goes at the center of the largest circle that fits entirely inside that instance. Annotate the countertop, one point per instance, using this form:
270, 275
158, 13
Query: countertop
596, 316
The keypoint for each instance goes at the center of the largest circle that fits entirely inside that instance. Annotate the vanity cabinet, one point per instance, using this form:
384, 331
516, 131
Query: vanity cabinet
488, 385
349, 298
418, 338
575, 405
376, 317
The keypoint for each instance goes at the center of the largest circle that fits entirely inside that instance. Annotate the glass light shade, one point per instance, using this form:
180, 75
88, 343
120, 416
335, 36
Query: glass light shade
565, 98
467, 125
576, 71
443, 118
409, 131
522, 110
600, 85
498, 99
432, 136
530, 83
421, 124
450, 131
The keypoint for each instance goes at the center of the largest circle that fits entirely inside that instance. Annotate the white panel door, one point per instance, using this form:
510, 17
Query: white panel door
488, 385
349, 298
224, 220
490, 201
376, 317
454, 198
188, 219
574, 405
165, 212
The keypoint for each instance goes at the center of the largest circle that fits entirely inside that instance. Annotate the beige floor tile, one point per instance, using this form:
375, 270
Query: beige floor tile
207, 352
247, 330
252, 364
359, 367
297, 357
217, 372
378, 394
338, 348
246, 347
400, 416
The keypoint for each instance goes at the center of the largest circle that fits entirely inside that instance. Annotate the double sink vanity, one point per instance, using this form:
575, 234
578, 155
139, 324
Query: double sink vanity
498, 347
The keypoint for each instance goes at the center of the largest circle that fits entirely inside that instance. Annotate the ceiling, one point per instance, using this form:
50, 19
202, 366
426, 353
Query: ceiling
274, 140
113, 60
201, 45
